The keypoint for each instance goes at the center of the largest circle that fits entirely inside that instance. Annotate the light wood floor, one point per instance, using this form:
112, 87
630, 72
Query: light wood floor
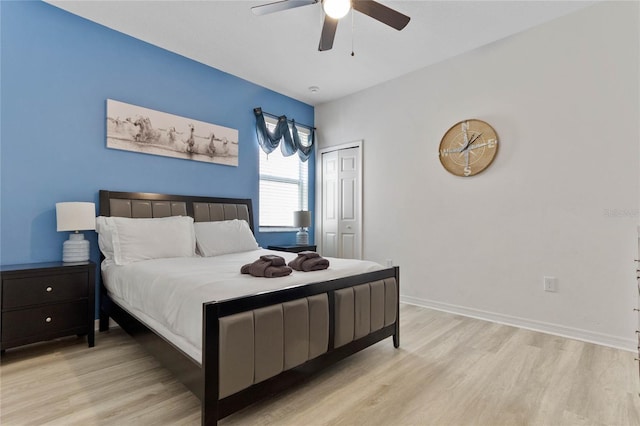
449, 370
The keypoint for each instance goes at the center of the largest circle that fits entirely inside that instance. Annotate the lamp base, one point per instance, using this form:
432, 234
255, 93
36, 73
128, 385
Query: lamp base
302, 237
75, 249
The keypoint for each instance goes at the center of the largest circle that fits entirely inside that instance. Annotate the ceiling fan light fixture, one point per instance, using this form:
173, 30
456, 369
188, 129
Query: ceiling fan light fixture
336, 9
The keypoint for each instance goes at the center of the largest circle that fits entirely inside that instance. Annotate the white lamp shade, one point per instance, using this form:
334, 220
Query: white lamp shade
302, 219
76, 216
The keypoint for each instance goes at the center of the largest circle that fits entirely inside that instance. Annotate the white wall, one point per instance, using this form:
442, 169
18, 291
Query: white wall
561, 198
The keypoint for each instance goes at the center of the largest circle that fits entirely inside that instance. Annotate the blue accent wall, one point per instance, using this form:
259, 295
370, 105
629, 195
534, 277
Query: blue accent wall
57, 70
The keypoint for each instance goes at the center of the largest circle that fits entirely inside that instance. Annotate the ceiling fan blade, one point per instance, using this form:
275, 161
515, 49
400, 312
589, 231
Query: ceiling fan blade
381, 13
280, 5
328, 33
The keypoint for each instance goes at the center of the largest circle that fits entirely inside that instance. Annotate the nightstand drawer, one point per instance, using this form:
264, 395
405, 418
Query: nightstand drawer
44, 320
17, 292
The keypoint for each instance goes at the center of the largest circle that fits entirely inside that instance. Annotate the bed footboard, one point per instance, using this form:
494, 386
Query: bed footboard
259, 345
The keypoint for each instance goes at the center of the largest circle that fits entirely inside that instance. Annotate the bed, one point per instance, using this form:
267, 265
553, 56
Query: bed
229, 359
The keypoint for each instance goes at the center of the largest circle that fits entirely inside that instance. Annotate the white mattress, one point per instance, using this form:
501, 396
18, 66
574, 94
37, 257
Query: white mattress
167, 294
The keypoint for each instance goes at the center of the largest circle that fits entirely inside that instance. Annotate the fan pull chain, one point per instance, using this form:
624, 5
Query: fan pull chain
353, 30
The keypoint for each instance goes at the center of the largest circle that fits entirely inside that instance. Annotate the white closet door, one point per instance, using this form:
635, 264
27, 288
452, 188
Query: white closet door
330, 204
342, 203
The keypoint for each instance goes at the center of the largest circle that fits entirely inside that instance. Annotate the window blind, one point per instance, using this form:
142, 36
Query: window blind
284, 184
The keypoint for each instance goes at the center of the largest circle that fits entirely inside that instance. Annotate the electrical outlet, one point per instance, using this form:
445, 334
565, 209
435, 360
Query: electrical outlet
389, 263
550, 284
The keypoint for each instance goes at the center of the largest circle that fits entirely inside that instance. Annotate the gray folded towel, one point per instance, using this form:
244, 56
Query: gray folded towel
308, 254
297, 263
271, 267
315, 264
309, 261
274, 259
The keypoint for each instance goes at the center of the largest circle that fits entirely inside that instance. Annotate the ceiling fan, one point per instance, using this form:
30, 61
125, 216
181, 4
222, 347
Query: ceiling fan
335, 10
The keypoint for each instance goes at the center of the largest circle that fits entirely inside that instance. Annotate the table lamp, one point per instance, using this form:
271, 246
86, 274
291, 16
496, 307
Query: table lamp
75, 216
302, 220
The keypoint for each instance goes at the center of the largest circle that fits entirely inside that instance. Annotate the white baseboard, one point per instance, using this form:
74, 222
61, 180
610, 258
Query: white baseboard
543, 327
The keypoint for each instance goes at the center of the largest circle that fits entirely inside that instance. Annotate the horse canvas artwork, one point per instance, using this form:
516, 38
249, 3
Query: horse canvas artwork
134, 128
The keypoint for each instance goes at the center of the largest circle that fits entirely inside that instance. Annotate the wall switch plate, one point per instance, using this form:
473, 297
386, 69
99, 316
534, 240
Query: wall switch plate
550, 284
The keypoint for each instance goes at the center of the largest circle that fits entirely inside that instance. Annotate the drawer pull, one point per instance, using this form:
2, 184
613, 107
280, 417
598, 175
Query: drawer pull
48, 319
49, 289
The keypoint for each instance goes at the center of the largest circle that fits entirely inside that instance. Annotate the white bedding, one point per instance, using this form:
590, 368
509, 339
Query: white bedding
167, 294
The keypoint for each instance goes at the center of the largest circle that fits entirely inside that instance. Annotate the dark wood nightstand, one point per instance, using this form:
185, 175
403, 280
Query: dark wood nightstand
293, 248
42, 301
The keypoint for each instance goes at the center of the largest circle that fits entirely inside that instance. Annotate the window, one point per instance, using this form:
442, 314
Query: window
284, 184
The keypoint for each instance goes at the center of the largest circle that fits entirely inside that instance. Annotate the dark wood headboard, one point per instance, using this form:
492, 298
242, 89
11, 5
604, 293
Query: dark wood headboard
150, 205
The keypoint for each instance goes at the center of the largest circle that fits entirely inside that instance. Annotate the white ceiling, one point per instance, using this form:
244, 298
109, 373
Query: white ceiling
280, 51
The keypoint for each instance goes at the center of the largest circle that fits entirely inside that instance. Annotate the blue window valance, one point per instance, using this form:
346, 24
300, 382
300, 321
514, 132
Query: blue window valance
282, 135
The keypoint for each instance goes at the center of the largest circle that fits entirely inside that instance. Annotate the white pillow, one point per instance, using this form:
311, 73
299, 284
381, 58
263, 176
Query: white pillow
105, 230
133, 240
222, 237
